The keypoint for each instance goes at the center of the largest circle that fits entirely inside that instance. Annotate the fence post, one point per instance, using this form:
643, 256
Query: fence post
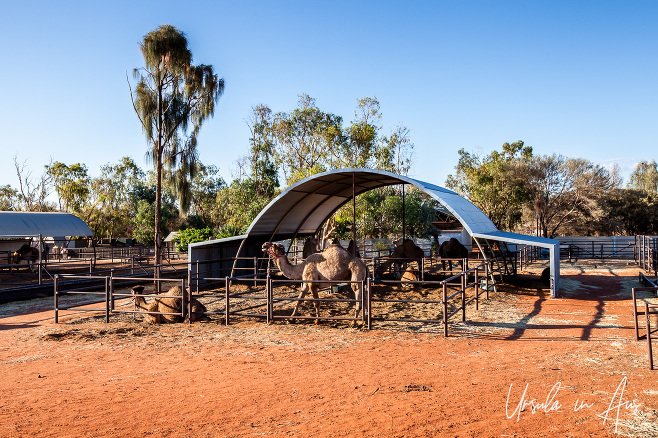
463, 278
197, 276
477, 289
268, 295
255, 271
227, 299
40, 258
445, 309
189, 299
646, 312
369, 302
107, 299
112, 289
182, 304
56, 293
486, 276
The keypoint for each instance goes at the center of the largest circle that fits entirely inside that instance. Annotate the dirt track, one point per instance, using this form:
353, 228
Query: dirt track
571, 359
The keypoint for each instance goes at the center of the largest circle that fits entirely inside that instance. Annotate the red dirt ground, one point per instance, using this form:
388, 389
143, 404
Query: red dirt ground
524, 365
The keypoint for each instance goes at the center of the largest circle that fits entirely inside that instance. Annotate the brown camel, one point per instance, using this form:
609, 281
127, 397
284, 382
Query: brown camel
452, 249
334, 264
166, 305
27, 253
310, 247
406, 249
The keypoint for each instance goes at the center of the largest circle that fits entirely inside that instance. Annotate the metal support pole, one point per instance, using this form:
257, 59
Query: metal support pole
56, 294
477, 290
107, 299
270, 296
404, 212
445, 309
369, 302
227, 299
111, 289
40, 258
354, 213
463, 278
646, 311
255, 271
189, 300
486, 276
183, 307
197, 276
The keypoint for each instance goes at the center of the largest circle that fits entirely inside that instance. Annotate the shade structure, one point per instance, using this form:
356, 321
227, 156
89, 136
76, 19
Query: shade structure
29, 224
302, 208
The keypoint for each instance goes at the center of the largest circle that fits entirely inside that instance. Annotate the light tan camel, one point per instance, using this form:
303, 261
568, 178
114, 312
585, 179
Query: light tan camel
334, 264
166, 305
403, 250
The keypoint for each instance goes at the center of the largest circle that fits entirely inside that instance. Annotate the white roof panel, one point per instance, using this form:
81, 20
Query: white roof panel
20, 224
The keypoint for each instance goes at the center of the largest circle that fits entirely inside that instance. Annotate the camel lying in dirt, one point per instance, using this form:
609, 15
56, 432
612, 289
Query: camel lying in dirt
166, 302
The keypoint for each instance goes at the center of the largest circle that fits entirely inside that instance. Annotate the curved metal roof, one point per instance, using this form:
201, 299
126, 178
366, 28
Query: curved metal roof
303, 207
22, 224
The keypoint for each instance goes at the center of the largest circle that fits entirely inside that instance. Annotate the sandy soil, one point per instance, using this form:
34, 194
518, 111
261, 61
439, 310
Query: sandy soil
523, 365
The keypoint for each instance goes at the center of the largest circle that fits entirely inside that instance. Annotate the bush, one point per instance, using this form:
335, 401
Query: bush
191, 235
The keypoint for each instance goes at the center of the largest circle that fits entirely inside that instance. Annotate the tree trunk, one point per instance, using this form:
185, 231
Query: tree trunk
158, 192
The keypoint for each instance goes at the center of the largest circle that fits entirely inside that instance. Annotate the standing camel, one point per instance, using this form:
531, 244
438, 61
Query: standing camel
452, 249
333, 264
406, 249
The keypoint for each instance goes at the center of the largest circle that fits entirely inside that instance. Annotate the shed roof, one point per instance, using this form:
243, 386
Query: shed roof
303, 207
24, 224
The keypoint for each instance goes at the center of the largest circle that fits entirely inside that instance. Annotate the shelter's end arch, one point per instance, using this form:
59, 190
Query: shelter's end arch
302, 208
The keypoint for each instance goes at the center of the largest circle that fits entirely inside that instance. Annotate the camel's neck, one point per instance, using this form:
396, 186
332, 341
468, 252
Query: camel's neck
293, 272
140, 302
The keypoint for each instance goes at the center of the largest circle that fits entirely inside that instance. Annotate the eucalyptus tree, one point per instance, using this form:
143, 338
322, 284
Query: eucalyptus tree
496, 183
304, 139
8, 198
645, 177
71, 184
172, 99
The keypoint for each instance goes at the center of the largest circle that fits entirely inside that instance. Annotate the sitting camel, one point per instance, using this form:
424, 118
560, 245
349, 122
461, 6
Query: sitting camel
334, 264
452, 249
406, 249
166, 305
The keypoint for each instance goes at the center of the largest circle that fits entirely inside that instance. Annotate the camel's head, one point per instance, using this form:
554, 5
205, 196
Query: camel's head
137, 290
275, 250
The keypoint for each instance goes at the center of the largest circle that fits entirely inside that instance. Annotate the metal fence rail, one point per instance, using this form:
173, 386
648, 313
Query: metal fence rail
263, 295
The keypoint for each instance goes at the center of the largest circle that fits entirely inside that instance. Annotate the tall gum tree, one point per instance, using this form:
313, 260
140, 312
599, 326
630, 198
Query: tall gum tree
172, 99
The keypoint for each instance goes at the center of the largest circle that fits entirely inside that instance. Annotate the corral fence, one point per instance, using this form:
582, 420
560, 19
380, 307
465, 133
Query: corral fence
648, 306
575, 248
99, 287
82, 261
647, 253
257, 291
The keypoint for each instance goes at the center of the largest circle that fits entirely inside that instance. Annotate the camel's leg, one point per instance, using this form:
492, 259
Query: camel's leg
314, 291
358, 292
302, 294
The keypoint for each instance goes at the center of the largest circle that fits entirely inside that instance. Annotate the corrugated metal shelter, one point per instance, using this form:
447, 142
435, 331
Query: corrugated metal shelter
302, 208
29, 224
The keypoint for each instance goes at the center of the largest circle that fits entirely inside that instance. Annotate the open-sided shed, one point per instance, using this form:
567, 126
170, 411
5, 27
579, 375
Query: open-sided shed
302, 208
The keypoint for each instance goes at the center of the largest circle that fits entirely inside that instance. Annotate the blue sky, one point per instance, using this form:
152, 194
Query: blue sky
577, 78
